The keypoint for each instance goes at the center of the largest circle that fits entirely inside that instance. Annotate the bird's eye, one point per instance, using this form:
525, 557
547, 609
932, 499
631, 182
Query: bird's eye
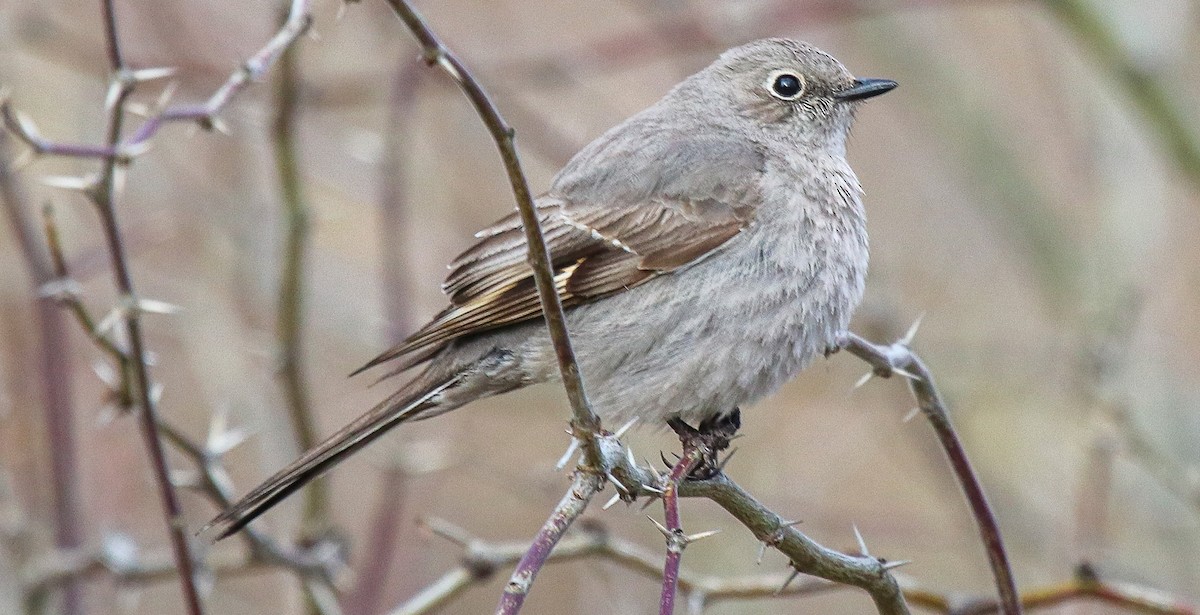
787, 86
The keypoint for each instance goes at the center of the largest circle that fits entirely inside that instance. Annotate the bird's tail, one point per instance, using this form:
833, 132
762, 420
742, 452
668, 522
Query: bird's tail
419, 399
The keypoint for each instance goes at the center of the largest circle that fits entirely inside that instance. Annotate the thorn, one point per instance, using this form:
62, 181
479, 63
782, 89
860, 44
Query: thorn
762, 550
164, 97
653, 489
788, 581
221, 439
861, 381
862, 544
115, 87
67, 182
110, 320
912, 414
26, 125
611, 501
662, 528
906, 374
156, 391
342, 10
896, 564
566, 458
62, 290
213, 122
629, 457
624, 428
620, 487
701, 536
150, 74
186, 479
154, 306
912, 330
721, 464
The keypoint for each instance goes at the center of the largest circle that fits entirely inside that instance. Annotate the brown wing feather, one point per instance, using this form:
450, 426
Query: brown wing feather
606, 234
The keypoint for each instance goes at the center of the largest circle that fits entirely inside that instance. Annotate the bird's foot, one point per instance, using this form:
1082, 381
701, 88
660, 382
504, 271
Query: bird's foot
712, 436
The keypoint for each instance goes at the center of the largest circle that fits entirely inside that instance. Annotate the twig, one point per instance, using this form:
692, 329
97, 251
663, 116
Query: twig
104, 196
899, 359
1171, 121
290, 316
673, 530
585, 425
55, 368
482, 560
583, 488
806, 556
204, 114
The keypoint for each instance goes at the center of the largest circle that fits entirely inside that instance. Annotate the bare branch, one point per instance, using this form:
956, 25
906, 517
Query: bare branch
898, 358
583, 488
584, 423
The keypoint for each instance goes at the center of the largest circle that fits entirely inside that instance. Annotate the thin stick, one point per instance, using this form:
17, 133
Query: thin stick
898, 358
584, 423
104, 196
585, 485
676, 540
55, 368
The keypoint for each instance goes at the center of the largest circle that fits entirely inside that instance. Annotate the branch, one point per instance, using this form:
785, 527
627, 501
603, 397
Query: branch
806, 556
290, 315
585, 425
55, 370
583, 488
104, 197
481, 560
899, 359
204, 114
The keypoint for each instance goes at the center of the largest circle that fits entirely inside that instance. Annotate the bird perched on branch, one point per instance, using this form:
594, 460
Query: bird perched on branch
705, 250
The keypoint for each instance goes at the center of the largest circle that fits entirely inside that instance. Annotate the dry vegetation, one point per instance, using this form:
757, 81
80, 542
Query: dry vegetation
1031, 190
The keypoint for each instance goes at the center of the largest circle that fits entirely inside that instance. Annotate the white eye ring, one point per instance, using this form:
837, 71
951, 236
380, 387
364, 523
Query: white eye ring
786, 85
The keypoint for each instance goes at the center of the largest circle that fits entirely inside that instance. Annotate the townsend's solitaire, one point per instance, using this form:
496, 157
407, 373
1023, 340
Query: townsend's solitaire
706, 249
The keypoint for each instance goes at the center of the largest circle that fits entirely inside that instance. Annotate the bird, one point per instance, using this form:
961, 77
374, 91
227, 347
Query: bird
705, 250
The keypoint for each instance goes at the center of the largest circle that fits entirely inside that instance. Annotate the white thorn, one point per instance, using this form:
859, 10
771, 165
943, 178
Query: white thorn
624, 428
912, 414
67, 182
861, 381
762, 550
912, 330
862, 544
611, 501
566, 458
662, 528
702, 535
150, 74
906, 374
25, 123
114, 92
896, 564
154, 306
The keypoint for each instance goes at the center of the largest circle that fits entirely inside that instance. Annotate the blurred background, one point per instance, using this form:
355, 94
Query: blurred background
1031, 190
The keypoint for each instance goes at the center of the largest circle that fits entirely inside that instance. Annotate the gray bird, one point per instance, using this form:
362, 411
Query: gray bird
705, 250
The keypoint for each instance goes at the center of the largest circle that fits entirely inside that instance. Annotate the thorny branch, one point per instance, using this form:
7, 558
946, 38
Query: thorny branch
899, 359
482, 560
104, 194
585, 425
205, 114
134, 384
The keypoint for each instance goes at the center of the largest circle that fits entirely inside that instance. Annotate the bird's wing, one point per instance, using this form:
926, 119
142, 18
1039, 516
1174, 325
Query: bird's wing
619, 214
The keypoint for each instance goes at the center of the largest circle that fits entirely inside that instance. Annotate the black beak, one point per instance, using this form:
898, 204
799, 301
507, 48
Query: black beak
865, 88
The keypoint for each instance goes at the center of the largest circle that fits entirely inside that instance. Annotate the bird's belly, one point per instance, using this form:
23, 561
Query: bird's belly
704, 341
